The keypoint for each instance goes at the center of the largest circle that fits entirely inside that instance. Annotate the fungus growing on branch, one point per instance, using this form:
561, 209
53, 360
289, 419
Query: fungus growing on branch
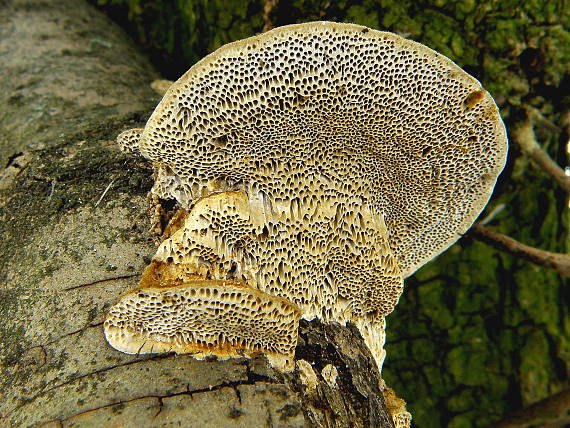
320, 165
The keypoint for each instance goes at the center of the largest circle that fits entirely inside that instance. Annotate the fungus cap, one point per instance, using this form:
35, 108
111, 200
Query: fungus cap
205, 318
354, 111
320, 164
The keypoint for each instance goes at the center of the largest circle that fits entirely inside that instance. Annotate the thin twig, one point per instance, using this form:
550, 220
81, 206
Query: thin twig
524, 135
547, 413
559, 262
542, 121
491, 216
268, 6
105, 192
52, 188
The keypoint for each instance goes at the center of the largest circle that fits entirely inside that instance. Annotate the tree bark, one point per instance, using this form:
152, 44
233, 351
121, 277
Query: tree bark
74, 237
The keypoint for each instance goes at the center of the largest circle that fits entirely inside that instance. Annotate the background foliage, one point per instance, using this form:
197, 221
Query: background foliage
477, 333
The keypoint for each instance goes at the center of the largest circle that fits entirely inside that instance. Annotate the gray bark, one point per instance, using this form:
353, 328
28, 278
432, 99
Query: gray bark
74, 237
65, 67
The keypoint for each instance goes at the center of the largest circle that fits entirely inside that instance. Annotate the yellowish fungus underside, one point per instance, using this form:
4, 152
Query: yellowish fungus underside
319, 165
205, 318
298, 261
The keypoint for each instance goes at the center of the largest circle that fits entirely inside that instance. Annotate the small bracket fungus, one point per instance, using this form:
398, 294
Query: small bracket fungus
397, 408
320, 164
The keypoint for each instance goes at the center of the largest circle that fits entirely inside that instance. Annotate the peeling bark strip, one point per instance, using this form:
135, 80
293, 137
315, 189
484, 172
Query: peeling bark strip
55, 365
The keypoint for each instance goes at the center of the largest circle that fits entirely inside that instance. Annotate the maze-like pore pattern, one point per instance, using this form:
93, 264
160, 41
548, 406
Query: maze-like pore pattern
208, 317
321, 163
325, 110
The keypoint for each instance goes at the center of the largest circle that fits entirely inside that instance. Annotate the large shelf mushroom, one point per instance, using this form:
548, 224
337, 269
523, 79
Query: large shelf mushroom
319, 165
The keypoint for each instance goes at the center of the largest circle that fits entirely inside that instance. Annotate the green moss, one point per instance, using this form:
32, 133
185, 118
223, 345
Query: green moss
44, 190
432, 292
363, 15
467, 364
460, 402
464, 420
536, 368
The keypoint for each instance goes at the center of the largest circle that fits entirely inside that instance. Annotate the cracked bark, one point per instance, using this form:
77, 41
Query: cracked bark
67, 253
99, 281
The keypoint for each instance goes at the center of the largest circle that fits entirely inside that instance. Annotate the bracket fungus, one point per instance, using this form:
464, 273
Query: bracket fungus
318, 165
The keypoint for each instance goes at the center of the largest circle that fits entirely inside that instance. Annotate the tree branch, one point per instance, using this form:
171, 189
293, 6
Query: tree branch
550, 412
268, 6
524, 136
559, 262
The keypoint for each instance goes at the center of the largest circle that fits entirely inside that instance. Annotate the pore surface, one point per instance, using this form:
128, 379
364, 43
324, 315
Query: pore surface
321, 262
314, 112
